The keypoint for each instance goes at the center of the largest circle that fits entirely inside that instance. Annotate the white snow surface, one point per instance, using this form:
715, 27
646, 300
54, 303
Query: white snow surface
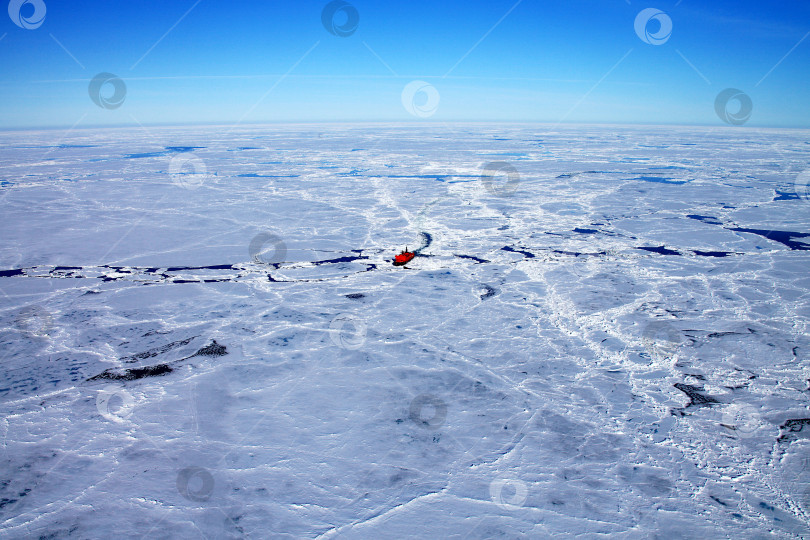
515, 380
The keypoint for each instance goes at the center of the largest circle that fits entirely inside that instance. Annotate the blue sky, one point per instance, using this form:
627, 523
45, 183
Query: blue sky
211, 61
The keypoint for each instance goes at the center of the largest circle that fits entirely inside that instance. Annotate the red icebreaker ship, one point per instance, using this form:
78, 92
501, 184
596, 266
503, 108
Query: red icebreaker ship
404, 257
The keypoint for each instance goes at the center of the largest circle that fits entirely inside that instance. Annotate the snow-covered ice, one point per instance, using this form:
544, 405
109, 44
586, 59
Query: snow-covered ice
203, 335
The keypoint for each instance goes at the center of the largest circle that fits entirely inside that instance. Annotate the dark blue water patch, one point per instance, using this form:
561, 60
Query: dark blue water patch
712, 253
94, 160
76, 146
183, 148
145, 155
10, 273
438, 177
254, 175
167, 150
354, 296
585, 231
785, 196
661, 250
241, 148
783, 237
660, 180
567, 175
526, 254
471, 257
705, 219
357, 149
214, 267
4, 183
353, 172
427, 239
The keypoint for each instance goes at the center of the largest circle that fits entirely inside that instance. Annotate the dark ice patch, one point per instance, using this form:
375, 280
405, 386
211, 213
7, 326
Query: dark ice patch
132, 373
793, 429
214, 349
661, 250
151, 353
712, 253
696, 398
526, 254
488, 292
705, 219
